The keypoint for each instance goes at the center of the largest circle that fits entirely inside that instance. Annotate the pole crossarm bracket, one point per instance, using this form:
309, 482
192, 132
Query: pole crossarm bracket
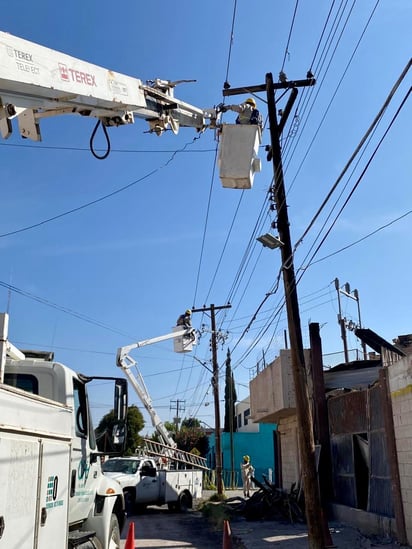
275, 86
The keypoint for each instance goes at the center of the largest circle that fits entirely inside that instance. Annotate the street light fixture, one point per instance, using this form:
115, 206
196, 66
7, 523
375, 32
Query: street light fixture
270, 241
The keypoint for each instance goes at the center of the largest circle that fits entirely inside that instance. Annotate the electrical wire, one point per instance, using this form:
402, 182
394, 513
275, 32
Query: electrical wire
290, 35
231, 43
356, 151
344, 248
97, 200
358, 181
83, 149
62, 308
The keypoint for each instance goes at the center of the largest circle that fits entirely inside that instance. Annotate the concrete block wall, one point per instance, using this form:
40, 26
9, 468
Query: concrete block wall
287, 428
400, 385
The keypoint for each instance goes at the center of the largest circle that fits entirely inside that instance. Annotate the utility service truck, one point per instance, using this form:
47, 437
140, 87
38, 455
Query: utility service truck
54, 493
162, 474
149, 481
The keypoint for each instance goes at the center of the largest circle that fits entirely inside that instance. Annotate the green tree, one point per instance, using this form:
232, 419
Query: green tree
135, 423
230, 397
192, 438
191, 423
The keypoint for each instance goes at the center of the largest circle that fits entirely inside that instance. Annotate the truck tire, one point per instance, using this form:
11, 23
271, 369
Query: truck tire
185, 502
114, 533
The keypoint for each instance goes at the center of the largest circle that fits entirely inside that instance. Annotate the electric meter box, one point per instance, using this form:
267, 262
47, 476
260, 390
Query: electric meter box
238, 155
183, 344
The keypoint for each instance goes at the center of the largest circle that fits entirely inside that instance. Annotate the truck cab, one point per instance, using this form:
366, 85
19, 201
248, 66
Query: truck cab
137, 476
95, 502
144, 482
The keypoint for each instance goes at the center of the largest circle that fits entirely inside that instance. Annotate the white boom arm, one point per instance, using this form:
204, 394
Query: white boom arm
36, 82
125, 361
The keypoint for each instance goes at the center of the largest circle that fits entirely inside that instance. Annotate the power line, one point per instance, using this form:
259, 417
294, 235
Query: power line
97, 200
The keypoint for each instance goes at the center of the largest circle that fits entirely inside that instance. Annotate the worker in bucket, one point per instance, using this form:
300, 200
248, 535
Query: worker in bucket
247, 471
185, 319
247, 112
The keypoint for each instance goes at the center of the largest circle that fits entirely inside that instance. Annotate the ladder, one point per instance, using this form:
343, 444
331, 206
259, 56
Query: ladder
173, 455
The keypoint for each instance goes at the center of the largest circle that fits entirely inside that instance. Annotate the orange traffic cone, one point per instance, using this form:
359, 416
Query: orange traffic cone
227, 535
130, 537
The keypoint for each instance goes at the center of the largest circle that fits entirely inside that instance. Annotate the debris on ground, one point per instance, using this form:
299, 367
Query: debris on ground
269, 503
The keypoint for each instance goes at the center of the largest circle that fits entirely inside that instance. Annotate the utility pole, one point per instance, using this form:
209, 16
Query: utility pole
303, 410
341, 322
215, 386
179, 407
355, 296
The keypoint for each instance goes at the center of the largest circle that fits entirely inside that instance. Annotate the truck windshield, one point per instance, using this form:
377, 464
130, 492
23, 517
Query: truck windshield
127, 466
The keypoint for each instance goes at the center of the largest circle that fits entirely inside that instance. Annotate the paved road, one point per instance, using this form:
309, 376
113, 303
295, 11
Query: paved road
158, 528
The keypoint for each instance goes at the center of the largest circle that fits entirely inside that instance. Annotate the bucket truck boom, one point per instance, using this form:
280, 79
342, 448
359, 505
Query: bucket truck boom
184, 339
38, 82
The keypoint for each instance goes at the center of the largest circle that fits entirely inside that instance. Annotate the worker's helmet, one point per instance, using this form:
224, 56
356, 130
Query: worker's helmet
188, 312
246, 458
251, 101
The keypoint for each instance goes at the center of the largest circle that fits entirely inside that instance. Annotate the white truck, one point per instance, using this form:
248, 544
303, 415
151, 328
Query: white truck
53, 493
165, 475
145, 483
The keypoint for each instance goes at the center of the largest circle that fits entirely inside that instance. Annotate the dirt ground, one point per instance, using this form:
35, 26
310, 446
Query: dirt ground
275, 534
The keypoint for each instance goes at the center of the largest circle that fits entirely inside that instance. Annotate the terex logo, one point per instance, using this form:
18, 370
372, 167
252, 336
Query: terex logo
71, 75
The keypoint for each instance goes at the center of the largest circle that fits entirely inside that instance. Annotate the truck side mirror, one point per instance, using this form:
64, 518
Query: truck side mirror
120, 399
119, 435
148, 471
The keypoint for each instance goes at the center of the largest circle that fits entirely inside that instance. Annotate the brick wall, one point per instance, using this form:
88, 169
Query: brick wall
400, 384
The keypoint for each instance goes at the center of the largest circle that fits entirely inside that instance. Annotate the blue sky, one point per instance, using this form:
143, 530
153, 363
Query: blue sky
123, 269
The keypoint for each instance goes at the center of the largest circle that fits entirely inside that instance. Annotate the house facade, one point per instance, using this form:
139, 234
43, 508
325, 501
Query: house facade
365, 463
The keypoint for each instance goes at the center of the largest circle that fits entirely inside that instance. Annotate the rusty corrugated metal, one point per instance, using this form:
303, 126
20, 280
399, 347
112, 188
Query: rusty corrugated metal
347, 413
380, 489
343, 473
361, 475
376, 415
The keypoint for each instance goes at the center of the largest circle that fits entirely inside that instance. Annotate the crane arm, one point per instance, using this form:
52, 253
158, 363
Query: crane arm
125, 362
139, 386
37, 82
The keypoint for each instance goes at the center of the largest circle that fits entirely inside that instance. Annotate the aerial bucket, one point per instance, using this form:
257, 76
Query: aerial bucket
238, 150
183, 343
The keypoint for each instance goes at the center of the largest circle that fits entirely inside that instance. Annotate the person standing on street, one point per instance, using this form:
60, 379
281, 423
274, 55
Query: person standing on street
247, 471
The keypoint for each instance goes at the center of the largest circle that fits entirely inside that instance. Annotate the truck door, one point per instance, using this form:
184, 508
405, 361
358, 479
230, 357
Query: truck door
52, 523
33, 500
83, 473
18, 477
147, 489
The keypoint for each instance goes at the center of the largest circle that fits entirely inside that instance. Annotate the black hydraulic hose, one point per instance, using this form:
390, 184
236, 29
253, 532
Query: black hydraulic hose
106, 154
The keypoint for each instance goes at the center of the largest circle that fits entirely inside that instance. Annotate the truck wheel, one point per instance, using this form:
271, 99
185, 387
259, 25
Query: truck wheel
114, 533
185, 502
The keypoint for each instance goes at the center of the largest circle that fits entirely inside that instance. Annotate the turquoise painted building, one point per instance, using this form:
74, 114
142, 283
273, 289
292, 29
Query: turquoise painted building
260, 446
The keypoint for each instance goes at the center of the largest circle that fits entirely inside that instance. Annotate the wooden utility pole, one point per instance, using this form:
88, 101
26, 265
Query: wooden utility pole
303, 410
215, 386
